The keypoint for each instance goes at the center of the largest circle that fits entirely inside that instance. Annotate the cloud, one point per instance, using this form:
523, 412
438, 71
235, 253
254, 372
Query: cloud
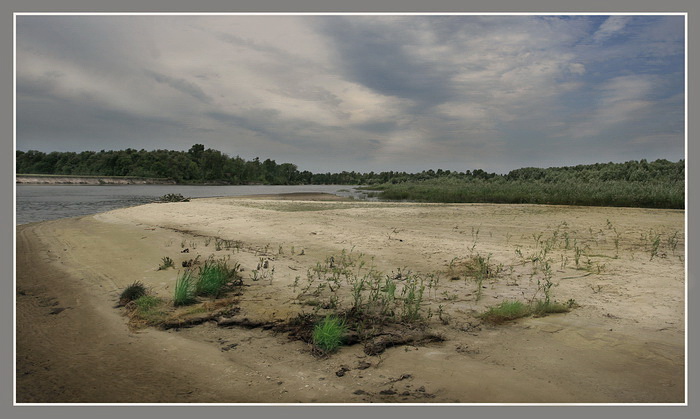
181, 85
612, 26
350, 92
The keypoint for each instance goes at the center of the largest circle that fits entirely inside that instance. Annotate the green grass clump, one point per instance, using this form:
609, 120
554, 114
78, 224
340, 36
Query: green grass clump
511, 310
149, 309
147, 302
542, 308
132, 292
328, 334
184, 289
507, 310
213, 278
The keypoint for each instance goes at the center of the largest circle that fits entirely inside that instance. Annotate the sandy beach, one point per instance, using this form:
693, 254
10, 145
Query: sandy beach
621, 271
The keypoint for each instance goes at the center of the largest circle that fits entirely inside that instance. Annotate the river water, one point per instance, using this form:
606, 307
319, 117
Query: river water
49, 202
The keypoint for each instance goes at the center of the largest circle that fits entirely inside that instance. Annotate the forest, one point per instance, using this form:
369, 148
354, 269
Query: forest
658, 184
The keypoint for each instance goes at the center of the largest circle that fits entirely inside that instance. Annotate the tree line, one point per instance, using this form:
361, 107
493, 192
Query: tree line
200, 165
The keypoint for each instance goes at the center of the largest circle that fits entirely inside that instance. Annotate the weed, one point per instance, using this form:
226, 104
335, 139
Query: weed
479, 268
672, 242
444, 317
412, 294
655, 243
577, 255
328, 334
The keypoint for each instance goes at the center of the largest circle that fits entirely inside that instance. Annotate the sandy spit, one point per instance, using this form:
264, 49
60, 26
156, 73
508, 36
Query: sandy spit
622, 269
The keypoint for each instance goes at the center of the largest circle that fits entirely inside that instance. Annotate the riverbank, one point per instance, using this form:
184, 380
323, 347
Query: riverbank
622, 269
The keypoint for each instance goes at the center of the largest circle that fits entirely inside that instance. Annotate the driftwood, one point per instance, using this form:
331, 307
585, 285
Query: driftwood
381, 342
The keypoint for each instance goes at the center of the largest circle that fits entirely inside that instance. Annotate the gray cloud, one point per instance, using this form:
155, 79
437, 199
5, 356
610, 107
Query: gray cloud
181, 85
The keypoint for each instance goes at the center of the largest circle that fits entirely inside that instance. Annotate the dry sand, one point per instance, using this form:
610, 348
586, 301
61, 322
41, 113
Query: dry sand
623, 342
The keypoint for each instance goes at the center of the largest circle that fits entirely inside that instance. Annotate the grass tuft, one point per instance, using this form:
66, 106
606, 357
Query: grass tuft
148, 310
506, 311
542, 308
132, 292
328, 334
214, 277
184, 289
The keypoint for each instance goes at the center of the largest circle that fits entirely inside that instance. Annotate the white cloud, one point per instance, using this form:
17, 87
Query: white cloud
612, 26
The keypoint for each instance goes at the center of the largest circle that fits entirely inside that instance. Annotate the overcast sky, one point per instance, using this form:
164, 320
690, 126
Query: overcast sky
364, 93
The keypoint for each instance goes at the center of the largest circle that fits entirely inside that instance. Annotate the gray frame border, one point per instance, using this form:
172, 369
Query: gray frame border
8, 7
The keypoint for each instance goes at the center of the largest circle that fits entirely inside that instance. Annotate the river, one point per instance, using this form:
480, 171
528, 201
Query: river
49, 202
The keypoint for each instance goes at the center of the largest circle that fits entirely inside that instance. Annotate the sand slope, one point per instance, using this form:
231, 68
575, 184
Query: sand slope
622, 343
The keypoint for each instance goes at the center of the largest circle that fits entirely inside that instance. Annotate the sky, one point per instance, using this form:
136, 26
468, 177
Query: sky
357, 92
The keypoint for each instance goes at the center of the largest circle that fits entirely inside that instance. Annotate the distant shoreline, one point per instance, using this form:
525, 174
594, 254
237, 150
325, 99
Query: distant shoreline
27, 179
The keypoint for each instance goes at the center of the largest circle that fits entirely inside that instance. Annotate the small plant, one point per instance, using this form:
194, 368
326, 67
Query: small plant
166, 263
655, 243
673, 242
132, 293
184, 289
444, 317
328, 334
